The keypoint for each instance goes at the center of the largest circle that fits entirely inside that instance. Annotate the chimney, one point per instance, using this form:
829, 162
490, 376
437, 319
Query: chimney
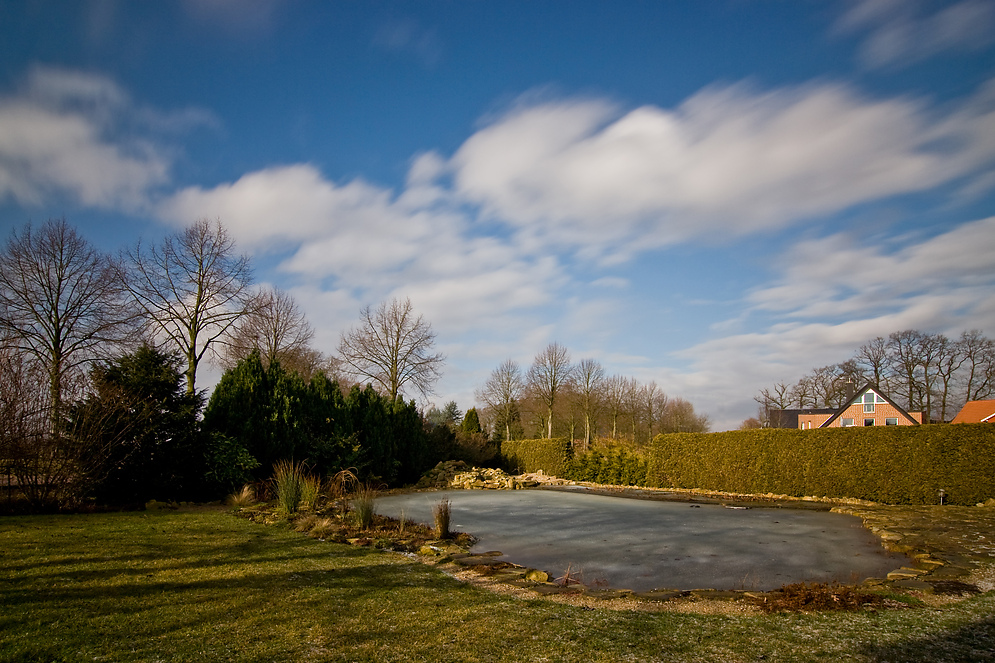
850, 387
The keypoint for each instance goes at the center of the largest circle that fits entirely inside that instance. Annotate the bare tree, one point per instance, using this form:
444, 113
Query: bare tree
948, 361
550, 370
590, 378
278, 328
60, 302
873, 359
773, 398
614, 388
979, 360
656, 406
192, 288
502, 391
680, 417
393, 348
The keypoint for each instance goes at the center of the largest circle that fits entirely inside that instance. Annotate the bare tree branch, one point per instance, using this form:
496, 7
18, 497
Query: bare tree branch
393, 348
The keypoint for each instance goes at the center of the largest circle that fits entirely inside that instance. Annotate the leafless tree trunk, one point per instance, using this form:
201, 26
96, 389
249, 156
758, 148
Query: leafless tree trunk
61, 303
280, 331
192, 288
590, 378
502, 391
873, 358
614, 398
979, 358
550, 370
393, 348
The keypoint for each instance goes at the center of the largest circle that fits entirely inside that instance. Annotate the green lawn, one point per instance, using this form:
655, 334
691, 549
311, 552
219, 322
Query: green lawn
203, 585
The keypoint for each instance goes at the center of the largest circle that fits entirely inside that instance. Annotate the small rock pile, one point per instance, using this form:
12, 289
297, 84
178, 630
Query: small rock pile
442, 474
457, 474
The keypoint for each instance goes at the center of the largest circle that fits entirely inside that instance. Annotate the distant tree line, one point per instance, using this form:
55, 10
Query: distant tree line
99, 356
922, 372
557, 398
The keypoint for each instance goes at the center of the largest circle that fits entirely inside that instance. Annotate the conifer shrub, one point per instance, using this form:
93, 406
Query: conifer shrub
614, 466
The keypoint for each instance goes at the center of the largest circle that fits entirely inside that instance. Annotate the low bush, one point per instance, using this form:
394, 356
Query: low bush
817, 597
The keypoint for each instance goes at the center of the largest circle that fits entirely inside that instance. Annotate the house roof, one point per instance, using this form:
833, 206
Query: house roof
857, 398
975, 412
789, 418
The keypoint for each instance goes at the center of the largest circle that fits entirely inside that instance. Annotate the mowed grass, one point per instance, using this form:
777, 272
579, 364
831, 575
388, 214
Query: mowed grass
202, 585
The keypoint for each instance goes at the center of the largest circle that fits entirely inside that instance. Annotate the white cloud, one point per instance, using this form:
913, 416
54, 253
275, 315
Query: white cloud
69, 133
900, 32
364, 240
729, 160
55, 138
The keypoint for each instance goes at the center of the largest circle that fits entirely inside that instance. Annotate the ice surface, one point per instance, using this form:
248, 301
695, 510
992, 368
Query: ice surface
643, 544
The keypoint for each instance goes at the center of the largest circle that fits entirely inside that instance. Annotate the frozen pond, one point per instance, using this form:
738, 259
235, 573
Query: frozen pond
649, 544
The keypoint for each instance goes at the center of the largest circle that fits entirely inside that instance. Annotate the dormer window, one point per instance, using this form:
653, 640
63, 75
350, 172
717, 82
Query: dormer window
870, 398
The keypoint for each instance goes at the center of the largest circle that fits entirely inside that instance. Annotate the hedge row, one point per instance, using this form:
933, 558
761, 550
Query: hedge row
613, 466
550, 456
893, 464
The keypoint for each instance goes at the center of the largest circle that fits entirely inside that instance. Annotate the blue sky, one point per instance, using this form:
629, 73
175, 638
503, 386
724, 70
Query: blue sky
712, 195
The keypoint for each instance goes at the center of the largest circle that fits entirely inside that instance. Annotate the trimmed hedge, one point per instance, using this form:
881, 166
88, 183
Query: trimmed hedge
890, 464
550, 456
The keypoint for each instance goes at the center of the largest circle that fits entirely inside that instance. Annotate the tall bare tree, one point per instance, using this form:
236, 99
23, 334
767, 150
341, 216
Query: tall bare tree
550, 370
393, 347
192, 288
615, 388
979, 365
280, 331
60, 302
590, 378
502, 391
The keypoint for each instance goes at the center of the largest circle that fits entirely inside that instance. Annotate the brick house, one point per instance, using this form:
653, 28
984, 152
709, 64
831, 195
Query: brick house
976, 412
869, 406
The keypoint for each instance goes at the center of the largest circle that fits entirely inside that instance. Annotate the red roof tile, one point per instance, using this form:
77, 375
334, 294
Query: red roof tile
975, 412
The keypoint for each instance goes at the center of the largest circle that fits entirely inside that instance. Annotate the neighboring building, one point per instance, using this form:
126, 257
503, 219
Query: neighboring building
869, 406
976, 412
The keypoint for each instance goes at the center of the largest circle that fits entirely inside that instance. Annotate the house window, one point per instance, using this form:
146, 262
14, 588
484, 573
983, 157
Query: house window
869, 402
846, 422
891, 421
868, 422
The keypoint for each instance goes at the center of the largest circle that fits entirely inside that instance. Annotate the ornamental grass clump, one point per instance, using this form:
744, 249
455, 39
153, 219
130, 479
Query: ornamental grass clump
340, 486
310, 491
364, 505
443, 513
288, 477
243, 498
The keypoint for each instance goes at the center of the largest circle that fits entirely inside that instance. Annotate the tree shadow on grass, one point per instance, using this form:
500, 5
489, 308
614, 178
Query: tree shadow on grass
974, 642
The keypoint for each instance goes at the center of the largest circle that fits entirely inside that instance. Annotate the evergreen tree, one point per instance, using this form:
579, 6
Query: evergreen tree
152, 420
471, 422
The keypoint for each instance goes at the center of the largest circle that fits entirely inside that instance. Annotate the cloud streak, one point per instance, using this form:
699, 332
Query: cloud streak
729, 160
899, 33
